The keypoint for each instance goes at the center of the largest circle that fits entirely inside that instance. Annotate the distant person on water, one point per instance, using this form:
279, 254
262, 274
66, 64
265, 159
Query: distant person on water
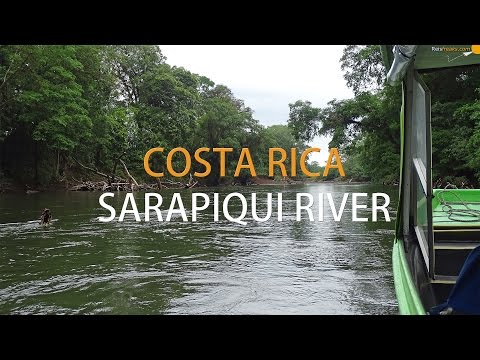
46, 217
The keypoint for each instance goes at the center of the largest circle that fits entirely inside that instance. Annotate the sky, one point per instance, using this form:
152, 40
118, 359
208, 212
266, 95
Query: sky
269, 77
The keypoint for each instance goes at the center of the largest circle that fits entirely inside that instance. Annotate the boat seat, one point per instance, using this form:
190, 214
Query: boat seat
452, 246
456, 231
465, 295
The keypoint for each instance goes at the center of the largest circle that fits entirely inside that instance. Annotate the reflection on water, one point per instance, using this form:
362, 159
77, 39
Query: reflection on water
79, 265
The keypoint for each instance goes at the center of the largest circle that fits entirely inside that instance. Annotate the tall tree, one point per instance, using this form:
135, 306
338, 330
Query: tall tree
357, 123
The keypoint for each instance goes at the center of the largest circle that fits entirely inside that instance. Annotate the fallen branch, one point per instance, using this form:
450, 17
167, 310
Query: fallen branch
128, 173
189, 186
178, 183
191, 182
92, 169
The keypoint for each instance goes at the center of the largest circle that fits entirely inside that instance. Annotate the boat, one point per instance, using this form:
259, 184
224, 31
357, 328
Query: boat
436, 250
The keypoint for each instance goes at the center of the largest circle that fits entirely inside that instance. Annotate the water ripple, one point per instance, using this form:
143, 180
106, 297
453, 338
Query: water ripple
81, 266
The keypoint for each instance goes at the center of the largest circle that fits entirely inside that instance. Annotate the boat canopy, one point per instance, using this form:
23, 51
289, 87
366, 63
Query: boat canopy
425, 57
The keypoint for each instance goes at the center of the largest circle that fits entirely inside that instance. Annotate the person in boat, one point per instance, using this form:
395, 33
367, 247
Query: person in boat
46, 217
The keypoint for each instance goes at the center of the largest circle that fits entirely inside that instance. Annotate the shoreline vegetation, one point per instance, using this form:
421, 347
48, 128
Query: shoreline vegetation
7, 186
82, 117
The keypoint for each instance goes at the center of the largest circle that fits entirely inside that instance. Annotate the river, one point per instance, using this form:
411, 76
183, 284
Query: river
79, 265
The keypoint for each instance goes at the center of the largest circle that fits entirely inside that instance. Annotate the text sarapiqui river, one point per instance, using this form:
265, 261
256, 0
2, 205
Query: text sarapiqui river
248, 210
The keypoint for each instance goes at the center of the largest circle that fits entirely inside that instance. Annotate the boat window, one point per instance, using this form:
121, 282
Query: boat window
421, 169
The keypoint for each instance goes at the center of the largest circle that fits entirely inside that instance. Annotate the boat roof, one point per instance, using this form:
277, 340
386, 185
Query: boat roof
427, 57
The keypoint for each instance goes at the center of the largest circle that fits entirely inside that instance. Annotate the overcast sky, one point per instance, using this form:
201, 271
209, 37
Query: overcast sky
269, 77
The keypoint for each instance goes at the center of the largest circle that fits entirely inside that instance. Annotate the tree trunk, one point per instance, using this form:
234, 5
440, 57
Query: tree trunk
35, 161
57, 168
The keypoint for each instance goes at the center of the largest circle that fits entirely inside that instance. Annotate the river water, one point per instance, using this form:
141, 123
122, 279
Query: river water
79, 265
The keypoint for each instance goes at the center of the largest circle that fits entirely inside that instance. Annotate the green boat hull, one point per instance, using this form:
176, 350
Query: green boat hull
408, 299
409, 302
454, 224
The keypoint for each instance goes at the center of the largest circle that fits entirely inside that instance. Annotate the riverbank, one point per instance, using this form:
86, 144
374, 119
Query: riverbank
97, 184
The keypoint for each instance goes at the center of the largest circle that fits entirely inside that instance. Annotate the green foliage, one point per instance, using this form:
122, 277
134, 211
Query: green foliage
96, 105
226, 122
363, 66
315, 167
60, 105
366, 128
455, 121
304, 120
281, 136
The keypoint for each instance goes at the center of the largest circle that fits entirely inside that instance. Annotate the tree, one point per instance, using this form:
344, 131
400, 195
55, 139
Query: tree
355, 123
129, 63
281, 136
304, 120
364, 68
50, 101
225, 122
